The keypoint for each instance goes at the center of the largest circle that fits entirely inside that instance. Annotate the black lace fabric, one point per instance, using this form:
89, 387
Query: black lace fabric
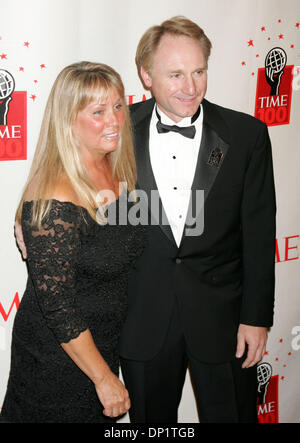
77, 280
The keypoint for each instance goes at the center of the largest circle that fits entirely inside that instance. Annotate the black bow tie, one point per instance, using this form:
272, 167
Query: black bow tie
186, 131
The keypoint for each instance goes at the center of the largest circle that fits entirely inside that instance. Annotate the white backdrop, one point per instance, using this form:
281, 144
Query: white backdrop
38, 38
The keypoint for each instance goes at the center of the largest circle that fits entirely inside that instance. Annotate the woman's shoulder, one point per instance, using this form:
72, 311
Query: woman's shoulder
62, 202
63, 192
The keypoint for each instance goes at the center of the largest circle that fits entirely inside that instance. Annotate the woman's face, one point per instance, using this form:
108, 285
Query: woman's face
98, 126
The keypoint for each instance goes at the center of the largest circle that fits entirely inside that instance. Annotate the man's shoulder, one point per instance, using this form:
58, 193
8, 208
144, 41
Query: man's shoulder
142, 104
234, 117
141, 109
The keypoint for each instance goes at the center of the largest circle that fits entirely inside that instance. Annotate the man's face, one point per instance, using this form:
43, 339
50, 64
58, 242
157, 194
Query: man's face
178, 77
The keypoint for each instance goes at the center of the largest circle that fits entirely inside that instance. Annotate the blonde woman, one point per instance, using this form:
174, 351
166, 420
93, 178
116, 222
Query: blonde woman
64, 365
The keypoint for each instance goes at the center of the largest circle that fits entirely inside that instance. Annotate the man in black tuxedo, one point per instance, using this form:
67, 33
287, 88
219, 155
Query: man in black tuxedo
198, 297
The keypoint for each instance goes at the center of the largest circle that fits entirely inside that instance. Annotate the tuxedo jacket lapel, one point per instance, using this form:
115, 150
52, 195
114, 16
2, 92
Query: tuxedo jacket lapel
211, 156
212, 152
146, 180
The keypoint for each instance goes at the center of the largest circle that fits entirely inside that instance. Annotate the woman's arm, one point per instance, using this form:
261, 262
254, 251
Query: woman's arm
110, 390
53, 253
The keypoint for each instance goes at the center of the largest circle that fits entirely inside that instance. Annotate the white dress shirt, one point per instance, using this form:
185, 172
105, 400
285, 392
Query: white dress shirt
173, 159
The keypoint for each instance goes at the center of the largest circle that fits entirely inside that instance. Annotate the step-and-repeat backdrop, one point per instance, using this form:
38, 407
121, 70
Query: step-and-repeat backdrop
252, 40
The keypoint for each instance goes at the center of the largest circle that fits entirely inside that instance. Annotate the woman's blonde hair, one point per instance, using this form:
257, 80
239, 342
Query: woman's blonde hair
57, 154
178, 26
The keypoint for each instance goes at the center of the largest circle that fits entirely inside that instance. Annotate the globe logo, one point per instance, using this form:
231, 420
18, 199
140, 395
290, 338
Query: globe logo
7, 84
264, 374
275, 63
276, 60
7, 87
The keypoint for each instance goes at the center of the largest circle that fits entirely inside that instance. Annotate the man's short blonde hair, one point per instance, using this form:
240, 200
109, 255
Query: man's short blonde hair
178, 25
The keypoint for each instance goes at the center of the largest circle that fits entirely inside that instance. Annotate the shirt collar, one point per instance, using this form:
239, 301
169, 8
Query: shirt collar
184, 122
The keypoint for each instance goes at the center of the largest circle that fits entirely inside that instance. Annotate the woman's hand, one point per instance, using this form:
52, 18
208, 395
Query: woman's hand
113, 395
110, 390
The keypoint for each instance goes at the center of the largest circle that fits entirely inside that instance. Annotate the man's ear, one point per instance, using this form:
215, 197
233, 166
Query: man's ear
146, 77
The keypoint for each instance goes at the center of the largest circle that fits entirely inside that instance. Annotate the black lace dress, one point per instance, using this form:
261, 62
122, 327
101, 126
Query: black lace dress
78, 275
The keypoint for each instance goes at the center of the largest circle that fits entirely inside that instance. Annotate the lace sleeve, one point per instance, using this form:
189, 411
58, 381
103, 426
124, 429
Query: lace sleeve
52, 255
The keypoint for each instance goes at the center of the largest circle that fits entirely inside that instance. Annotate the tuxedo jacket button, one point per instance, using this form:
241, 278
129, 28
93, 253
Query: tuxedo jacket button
178, 261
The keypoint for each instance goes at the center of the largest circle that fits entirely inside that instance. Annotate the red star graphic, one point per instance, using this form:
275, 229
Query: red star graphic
35, 81
297, 25
282, 378
243, 63
21, 69
279, 21
292, 46
252, 74
257, 55
280, 36
26, 44
250, 43
263, 28
3, 56
33, 97
43, 66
